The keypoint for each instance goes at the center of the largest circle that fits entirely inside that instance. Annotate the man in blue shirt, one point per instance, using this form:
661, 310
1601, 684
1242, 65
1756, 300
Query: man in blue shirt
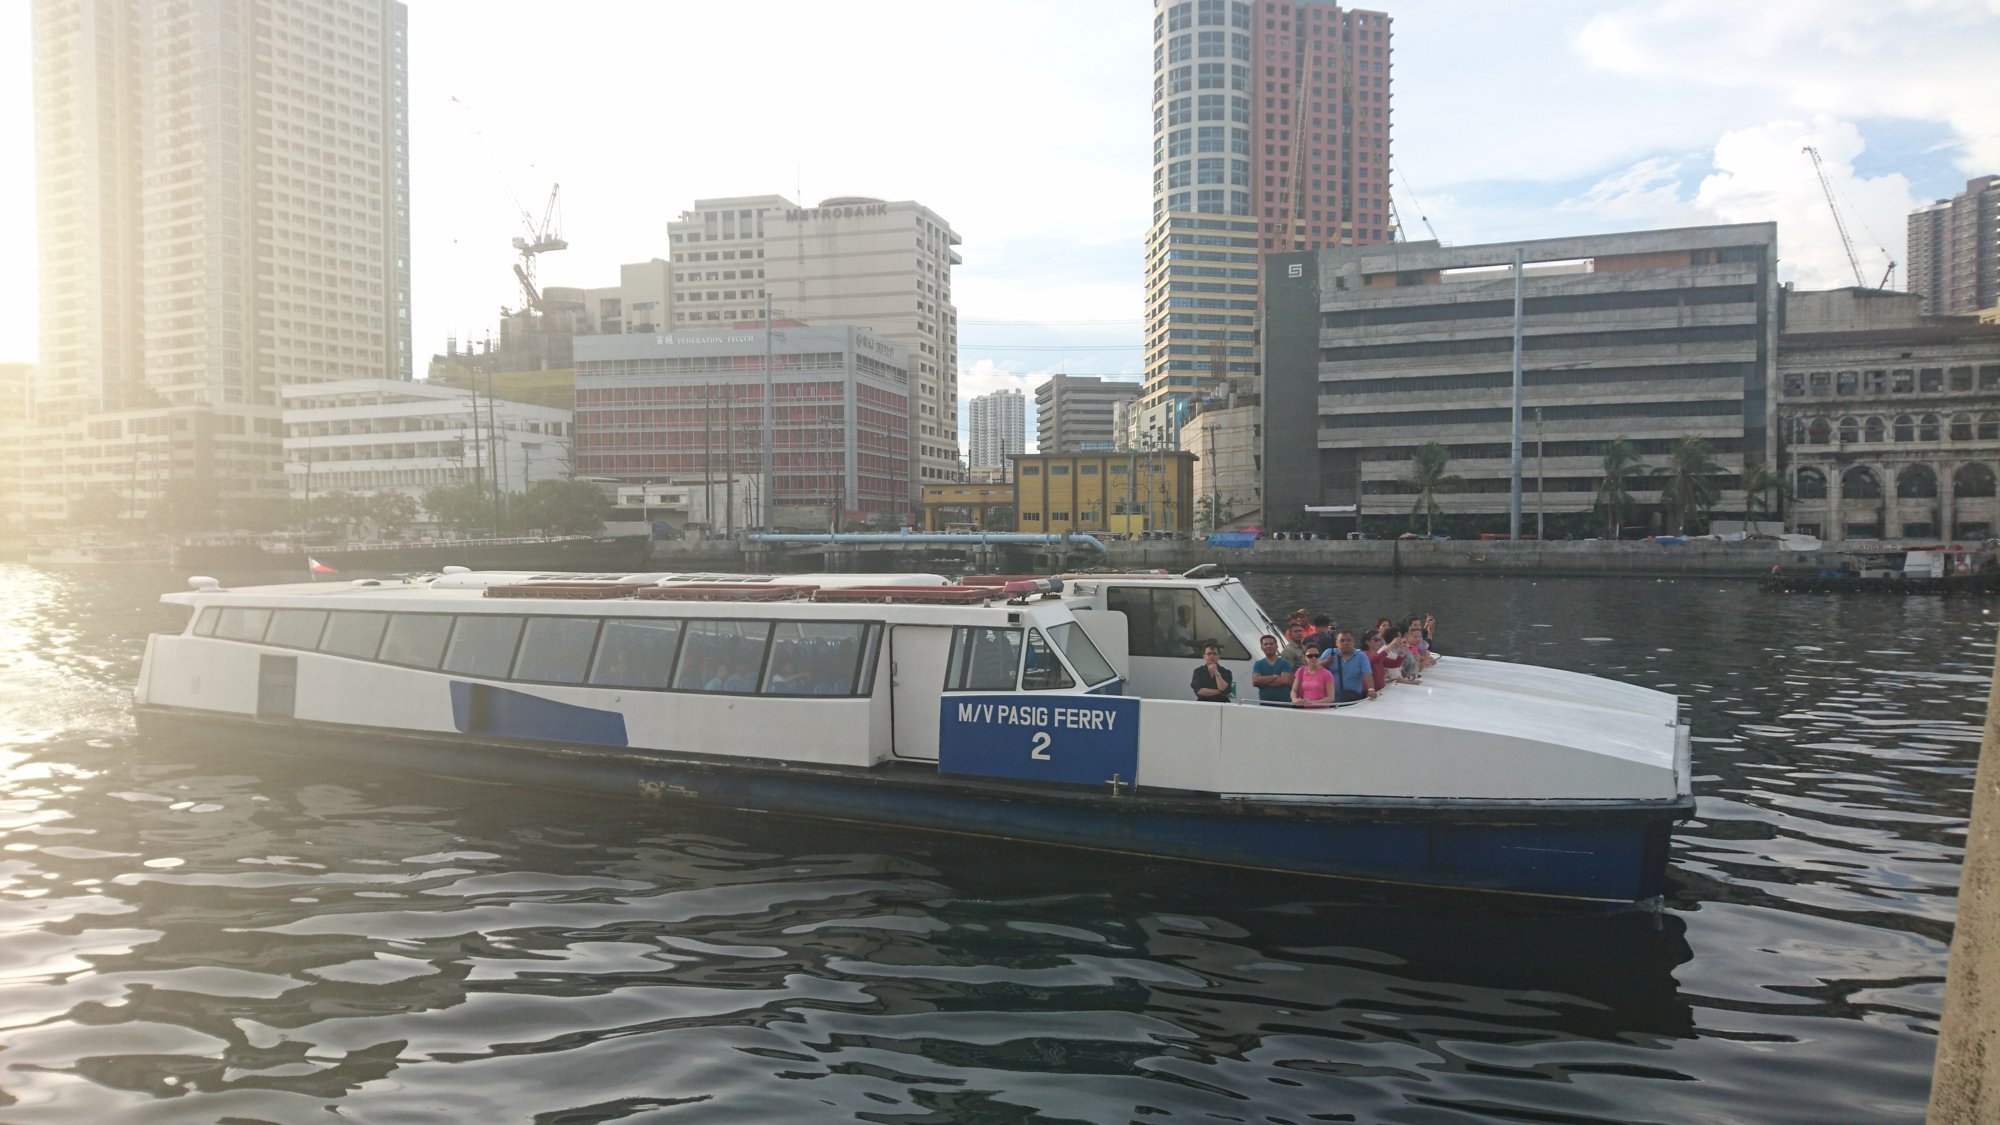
1353, 674
1272, 675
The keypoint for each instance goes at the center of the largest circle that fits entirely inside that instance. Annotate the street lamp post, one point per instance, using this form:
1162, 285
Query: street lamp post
1539, 506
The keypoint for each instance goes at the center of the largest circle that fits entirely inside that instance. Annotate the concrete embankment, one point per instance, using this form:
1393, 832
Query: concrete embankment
1556, 557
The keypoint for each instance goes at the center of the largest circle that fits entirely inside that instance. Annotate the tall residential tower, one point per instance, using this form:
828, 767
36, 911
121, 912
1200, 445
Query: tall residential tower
1955, 250
996, 429
1270, 133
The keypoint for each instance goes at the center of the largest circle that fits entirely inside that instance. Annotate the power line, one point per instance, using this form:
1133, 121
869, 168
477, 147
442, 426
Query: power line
1039, 323
1051, 347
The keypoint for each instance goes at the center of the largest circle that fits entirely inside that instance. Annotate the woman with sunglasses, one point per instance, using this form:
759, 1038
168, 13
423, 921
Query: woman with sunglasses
1312, 685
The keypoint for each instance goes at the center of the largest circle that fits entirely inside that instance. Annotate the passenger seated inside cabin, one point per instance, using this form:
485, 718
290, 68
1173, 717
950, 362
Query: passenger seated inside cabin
717, 677
1312, 684
786, 676
1212, 683
1180, 634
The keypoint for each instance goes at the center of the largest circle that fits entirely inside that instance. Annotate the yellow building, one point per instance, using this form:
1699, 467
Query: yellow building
1122, 493
947, 504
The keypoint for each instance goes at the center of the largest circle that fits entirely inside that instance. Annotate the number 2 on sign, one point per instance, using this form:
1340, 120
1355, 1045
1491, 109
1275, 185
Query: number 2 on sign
1039, 748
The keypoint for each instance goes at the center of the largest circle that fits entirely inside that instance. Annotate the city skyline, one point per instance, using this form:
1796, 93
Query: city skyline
1915, 115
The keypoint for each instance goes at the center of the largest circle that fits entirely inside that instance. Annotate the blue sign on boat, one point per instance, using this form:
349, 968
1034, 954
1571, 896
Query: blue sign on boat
1086, 739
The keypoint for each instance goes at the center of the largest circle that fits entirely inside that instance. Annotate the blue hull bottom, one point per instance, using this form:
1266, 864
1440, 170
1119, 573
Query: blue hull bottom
1607, 853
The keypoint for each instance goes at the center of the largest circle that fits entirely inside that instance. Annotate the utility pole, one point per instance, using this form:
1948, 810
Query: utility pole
729, 459
1539, 464
493, 437
1514, 498
766, 489
707, 460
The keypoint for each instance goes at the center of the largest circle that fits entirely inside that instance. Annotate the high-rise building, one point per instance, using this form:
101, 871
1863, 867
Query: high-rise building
1648, 336
223, 204
1073, 413
880, 265
1270, 133
1954, 250
996, 429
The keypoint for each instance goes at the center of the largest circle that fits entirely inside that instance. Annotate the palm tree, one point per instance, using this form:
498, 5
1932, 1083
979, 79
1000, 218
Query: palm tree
1762, 483
1428, 477
1690, 474
1621, 462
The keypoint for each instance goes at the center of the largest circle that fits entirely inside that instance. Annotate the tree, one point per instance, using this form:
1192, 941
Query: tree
390, 512
1621, 463
1428, 477
1000, 517
1690, 471
563, 507
184, 504
460, 507
1763, 491
100, 506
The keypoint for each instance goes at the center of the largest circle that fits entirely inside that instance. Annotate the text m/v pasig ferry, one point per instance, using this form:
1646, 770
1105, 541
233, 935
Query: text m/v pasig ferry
1055, 711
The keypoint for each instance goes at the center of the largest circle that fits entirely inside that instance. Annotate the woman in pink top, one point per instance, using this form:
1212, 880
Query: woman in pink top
1312, 685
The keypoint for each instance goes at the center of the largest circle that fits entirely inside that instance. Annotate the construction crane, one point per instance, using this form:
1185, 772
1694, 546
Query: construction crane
1839, 224
541, 239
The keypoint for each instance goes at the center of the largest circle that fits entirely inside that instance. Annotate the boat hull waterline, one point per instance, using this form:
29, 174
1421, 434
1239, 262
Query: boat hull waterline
1605, 852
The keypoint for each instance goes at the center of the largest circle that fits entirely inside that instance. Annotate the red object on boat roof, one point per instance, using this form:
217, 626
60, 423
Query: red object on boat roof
931, 595
571, 590
725, 592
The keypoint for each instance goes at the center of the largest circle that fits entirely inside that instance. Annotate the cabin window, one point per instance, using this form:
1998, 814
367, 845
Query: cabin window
1043, 672
636, 654
241, 623
415, 639
556, 650
815, 659
1082, 653
983, 659
354, 634
1171, 622
296, 628
483, 645
723, 656
204, 622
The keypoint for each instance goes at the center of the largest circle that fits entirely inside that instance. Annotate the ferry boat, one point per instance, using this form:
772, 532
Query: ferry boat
1042, 710
1937, 569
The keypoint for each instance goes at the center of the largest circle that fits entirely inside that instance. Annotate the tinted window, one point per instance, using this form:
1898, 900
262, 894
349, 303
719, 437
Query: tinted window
636, 654
353, 634
296, 628
1171, 622
416, 639
1083, 655
815, 659
556, 649
237, 623
722, 656
983, 659
483, 645
1043, 671
204, 625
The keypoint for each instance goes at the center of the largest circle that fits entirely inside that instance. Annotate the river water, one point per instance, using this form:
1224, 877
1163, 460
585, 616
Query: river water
193, 936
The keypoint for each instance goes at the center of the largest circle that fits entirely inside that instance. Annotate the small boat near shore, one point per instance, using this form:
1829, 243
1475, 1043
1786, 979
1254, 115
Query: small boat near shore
1054, 711
1941, 569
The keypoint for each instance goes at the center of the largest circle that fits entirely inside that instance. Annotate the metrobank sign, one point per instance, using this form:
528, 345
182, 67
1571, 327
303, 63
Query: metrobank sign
854, 211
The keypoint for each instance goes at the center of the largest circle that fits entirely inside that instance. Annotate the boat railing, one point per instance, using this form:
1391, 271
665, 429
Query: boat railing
572, 591
726, 592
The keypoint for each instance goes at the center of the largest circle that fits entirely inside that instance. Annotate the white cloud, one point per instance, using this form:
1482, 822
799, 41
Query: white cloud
1761, 174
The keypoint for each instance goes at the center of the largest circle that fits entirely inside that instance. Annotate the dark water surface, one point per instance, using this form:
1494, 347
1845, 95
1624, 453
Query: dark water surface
191, 936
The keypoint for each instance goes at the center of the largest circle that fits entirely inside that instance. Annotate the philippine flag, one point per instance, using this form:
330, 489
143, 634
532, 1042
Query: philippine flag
318, 567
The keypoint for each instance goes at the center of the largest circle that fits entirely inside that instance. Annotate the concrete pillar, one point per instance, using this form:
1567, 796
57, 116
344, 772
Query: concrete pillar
1947, 496
1965, 1080
1836, 493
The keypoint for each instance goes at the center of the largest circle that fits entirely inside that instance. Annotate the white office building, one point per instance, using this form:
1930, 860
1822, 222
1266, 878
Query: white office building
997, 429
382, 435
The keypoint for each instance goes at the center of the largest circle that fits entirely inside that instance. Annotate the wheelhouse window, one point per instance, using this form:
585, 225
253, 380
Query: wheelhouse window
1043, 672
983, 659
726, 656
636, 653
354, 634
415, 639
1083, 655
556, 649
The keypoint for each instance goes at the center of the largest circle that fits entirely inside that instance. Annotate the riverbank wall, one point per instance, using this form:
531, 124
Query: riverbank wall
1553, 558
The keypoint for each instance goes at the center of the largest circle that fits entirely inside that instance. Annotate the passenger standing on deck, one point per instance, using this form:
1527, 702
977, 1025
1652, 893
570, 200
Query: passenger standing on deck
1294, 647
1312, 684
1353, 675
1211, 682
1273, 674
1322, 634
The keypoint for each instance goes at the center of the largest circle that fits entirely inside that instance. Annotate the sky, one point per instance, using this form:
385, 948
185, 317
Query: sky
1027, 126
